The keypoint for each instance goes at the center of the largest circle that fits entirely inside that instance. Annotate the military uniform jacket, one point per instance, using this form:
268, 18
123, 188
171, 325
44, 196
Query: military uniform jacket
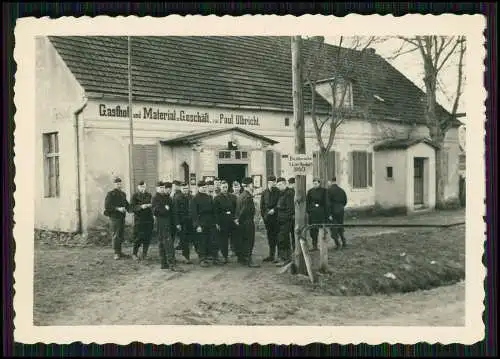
286, 208
202, 210
161, 200
316, 204
245, 208
115, 198
181, 204
337, 199
268, 201
141, 215
225, 208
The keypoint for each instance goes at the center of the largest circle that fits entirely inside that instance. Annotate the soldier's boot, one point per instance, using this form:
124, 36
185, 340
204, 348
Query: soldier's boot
344, 243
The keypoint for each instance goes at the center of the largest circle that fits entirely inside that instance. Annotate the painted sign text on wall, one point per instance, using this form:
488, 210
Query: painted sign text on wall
151, 113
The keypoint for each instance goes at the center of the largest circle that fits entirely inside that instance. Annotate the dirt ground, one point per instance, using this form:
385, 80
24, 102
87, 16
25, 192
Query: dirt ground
84, 286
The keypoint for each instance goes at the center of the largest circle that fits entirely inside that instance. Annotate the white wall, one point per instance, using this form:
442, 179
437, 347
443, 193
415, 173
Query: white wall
391, 192
57, 96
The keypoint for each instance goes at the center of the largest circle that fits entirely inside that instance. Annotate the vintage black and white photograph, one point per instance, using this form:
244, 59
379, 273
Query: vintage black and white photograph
253, 180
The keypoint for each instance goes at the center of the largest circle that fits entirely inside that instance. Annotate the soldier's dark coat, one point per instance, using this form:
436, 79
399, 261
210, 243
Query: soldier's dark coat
337, 199
115, 198
268, 201
202, 213
162, 209
286, 210
181, 203
141, 215
224, 208
316, 205
245, 212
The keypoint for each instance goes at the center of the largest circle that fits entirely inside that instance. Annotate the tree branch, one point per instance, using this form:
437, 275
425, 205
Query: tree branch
459, 41
460, 77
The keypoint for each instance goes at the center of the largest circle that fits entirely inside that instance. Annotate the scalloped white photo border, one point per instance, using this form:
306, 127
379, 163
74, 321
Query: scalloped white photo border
26, 29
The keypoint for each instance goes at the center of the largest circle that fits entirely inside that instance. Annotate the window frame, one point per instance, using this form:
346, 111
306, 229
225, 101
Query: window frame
368, 170
51, 159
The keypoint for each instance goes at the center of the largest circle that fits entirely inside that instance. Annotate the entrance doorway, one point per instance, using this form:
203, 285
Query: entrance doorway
232, 172
418, 181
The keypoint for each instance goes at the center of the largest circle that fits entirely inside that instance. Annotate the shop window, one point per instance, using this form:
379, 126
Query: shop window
51, 164
388, 172
225, 154
244, 154
361, 169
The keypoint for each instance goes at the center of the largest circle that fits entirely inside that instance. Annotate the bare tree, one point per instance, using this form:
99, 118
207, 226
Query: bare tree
437, 52
331, 72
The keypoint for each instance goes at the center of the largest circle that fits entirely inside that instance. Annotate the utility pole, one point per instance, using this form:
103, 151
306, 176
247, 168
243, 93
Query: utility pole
130, 117
300, 148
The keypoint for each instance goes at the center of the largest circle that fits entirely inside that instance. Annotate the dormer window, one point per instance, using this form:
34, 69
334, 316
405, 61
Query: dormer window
336, 91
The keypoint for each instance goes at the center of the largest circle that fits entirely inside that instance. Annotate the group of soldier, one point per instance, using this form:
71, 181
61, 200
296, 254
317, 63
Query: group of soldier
214, 220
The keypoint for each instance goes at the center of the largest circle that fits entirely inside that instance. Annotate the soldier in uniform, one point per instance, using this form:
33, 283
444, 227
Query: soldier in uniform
183, 222
244, 219
291, 188
116, 207
225, 207
236, 188
217, 186
210, 188
337, 199
268, 211
202, 213
176, 191
316, 207
285, 209
162, 210
140, 205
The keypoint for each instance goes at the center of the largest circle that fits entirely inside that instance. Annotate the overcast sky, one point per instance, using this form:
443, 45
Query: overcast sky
411, 66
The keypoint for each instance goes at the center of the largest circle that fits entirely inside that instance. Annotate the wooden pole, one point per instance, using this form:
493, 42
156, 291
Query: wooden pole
130, 117
300, 148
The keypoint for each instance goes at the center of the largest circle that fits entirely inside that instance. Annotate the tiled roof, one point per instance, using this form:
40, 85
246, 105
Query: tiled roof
194, 137
253, 71
401, 144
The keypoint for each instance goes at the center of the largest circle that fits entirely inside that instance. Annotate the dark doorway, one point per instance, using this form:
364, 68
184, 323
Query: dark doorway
418, 177
232, 172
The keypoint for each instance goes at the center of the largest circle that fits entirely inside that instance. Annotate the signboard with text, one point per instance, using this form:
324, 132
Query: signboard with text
164, 113
300, 164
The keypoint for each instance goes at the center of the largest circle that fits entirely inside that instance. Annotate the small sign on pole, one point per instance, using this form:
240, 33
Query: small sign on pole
300, 164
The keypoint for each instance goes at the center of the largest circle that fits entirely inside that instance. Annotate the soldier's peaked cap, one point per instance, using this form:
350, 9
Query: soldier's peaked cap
201, 183
160, 184
210, 183
281, 179
168, 184
117, 180
291, 180
246, 181
317, 180
177, 183
271, 178
141, 183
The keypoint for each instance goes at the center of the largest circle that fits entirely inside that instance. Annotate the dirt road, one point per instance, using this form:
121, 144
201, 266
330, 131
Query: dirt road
225, 295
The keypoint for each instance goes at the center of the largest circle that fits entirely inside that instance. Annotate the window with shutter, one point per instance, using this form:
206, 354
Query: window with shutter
278, 163
145, 162
316, 164
350, 171
269, 163
370, 169
51, 164
361, 169
331, 164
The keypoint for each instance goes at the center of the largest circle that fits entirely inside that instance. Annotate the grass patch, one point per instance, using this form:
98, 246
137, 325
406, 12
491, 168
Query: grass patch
394, 262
